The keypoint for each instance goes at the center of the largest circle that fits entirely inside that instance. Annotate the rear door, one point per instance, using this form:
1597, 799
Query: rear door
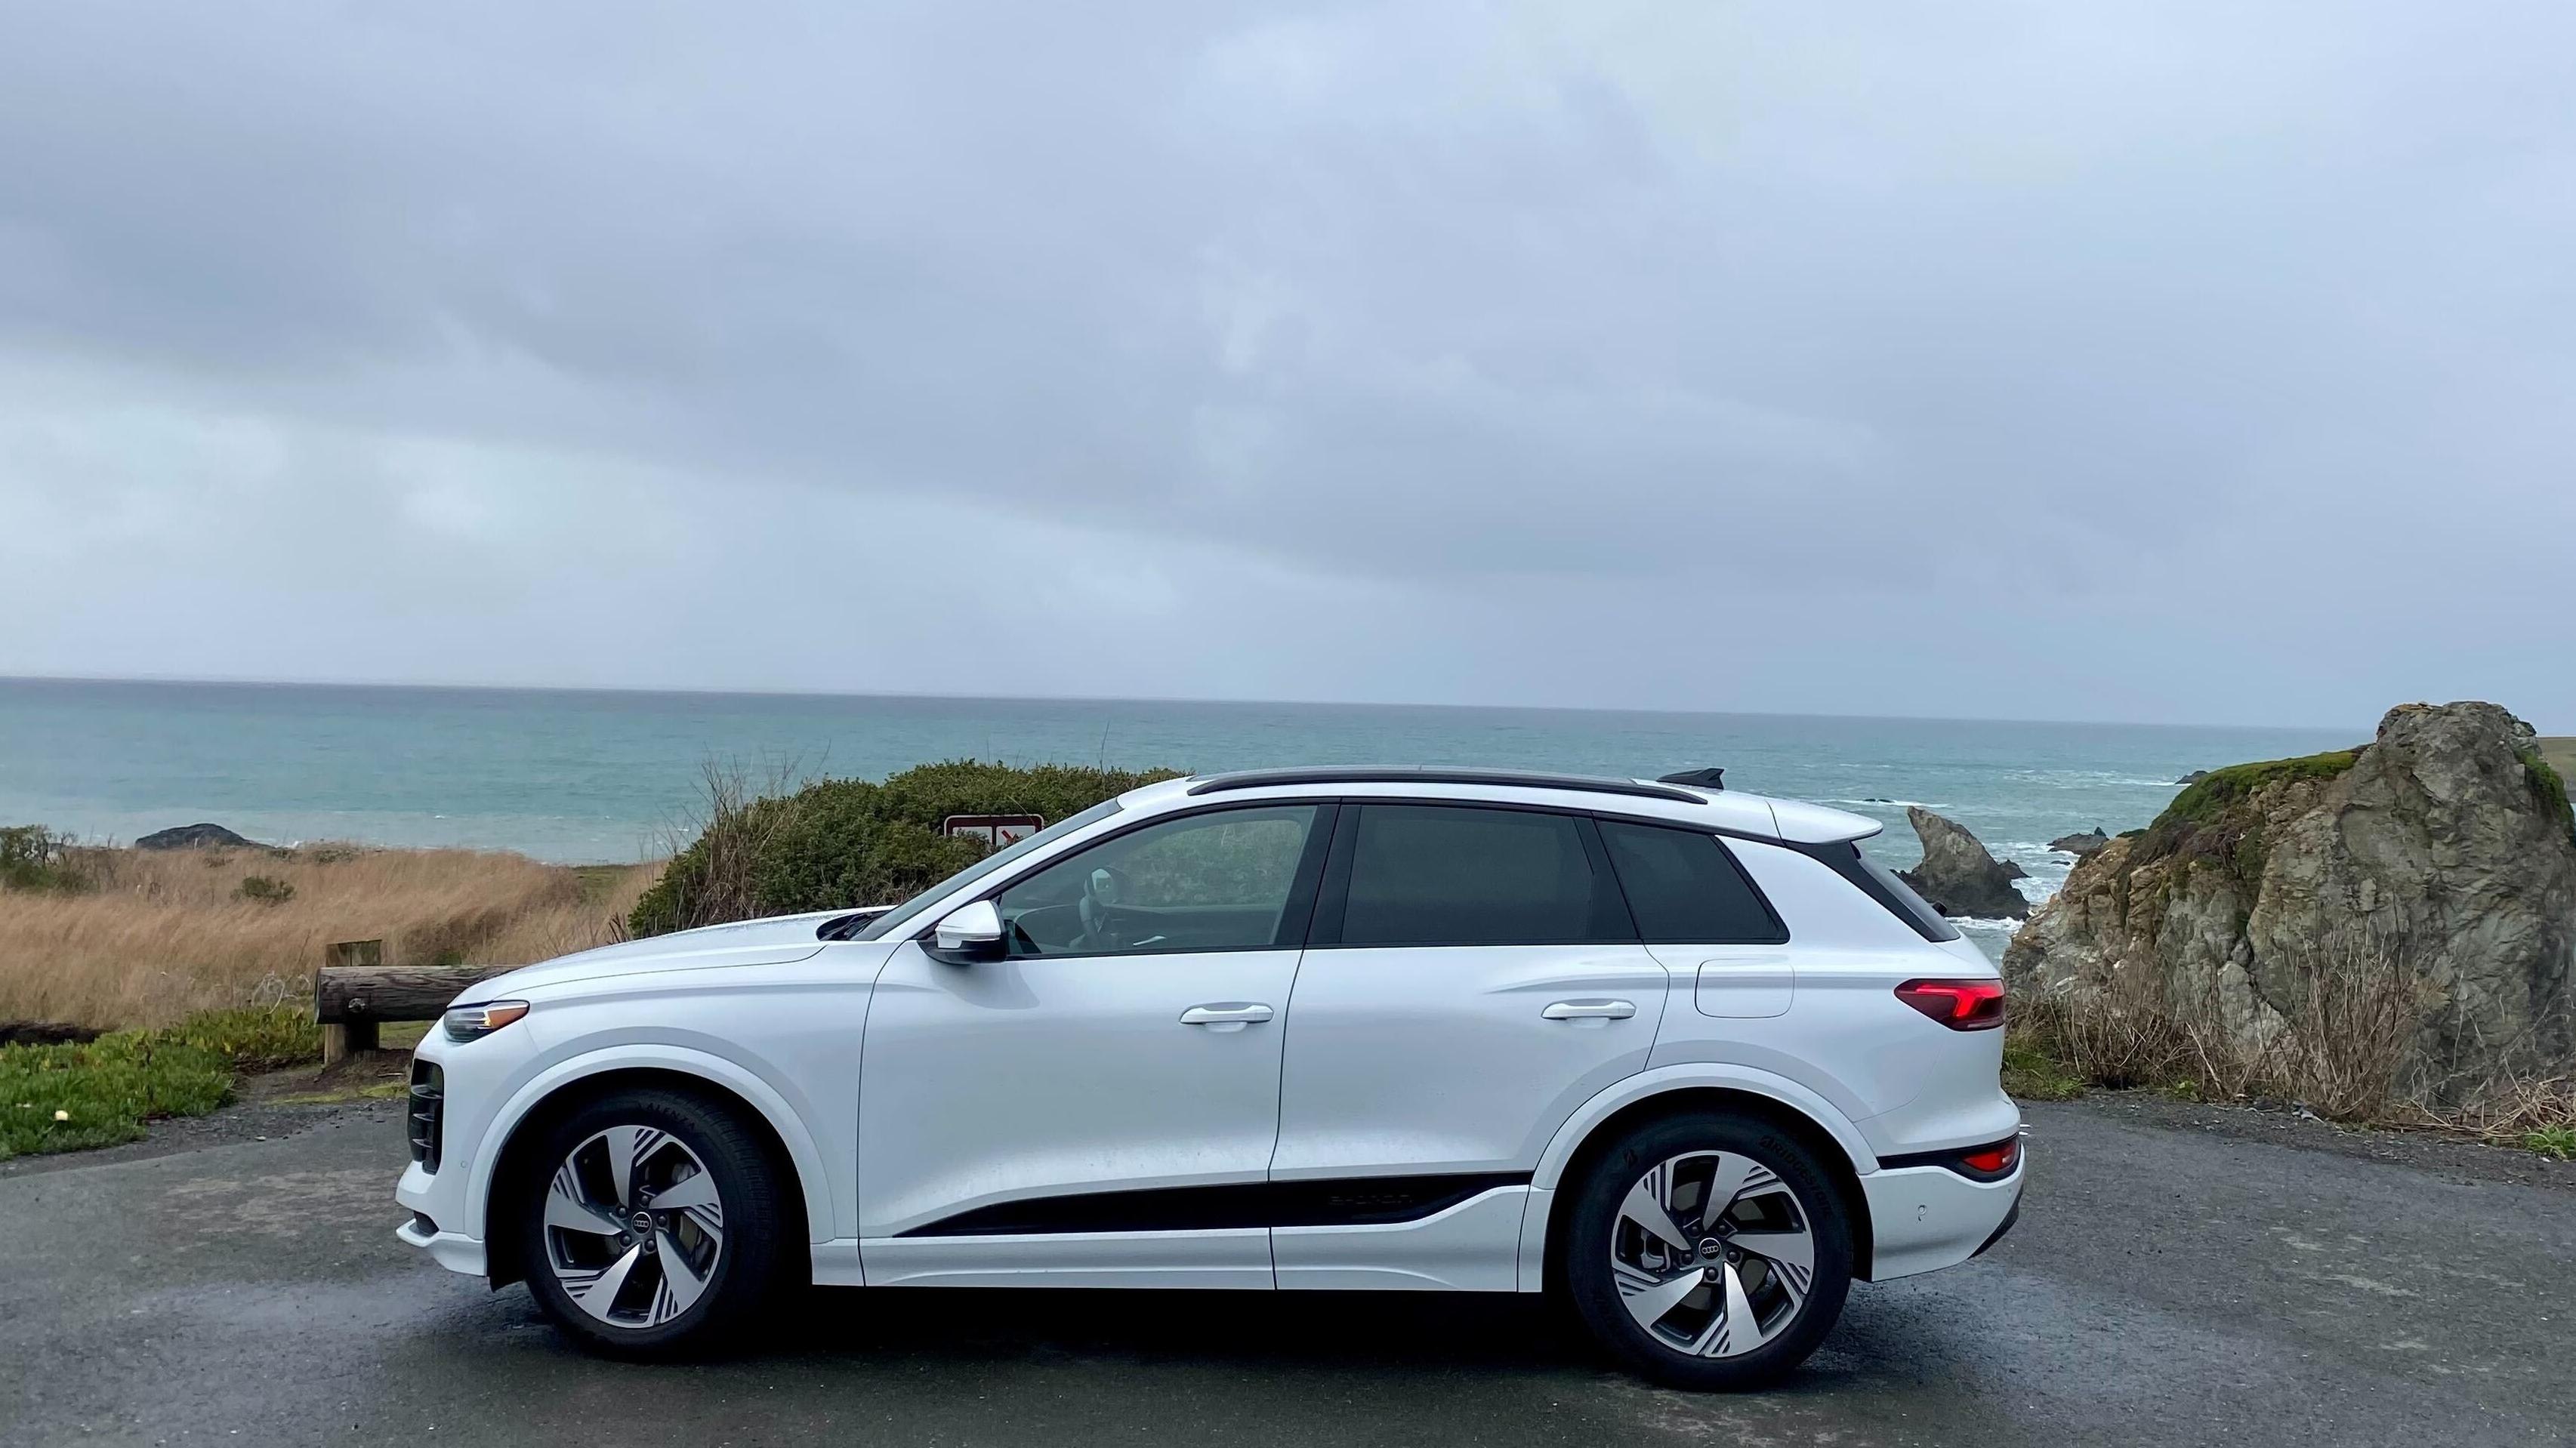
1473, 976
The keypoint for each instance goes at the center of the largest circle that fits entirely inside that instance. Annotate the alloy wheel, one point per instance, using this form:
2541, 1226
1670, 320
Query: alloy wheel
1713, 1254
634, 1226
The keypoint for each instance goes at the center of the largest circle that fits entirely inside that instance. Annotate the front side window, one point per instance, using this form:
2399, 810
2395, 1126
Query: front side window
1451, 875
1685, 889
1222, 881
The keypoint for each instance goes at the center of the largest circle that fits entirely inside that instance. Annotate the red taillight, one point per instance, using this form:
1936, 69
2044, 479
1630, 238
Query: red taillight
1962, 1005
1994, 1161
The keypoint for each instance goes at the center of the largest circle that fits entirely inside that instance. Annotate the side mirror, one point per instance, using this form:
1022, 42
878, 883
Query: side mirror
970, 932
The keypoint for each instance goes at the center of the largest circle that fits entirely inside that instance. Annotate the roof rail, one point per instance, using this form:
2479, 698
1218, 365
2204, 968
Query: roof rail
1330, 774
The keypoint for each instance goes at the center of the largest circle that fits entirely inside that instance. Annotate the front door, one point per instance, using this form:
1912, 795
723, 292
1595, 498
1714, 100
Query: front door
1092, 1109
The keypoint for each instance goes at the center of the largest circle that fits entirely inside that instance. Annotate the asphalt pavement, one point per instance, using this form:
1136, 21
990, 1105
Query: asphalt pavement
2178, 1276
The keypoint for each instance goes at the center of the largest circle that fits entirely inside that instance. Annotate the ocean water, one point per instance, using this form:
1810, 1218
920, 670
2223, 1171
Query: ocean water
605, 776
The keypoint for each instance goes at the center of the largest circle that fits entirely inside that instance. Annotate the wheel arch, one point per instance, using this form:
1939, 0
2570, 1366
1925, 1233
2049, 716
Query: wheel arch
527, 1116
1837, 1144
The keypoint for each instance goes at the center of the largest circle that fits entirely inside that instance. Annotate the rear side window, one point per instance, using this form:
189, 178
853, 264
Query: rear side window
1685, 889
1880, 884
1445, 875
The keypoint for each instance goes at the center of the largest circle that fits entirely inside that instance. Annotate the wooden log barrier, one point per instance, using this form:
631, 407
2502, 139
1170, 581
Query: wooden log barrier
351, 1000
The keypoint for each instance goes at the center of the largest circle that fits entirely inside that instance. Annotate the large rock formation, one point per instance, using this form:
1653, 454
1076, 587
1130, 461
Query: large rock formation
2080, 845
192, 837
1958, 876
2425, 882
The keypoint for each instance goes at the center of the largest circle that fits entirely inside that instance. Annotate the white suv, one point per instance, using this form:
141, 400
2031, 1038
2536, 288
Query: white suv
1681, 1054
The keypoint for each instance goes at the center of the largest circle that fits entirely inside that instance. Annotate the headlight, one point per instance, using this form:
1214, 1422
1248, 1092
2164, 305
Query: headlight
469, 1023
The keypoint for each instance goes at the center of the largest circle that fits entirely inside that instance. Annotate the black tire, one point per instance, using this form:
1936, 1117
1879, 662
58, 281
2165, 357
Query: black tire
1592, 1286
747, 1268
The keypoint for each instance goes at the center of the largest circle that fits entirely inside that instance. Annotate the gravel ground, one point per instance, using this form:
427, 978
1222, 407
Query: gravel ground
2181, 1274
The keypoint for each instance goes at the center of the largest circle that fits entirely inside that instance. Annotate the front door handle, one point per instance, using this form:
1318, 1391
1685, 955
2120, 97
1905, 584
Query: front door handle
1226, 1016
1589, 1011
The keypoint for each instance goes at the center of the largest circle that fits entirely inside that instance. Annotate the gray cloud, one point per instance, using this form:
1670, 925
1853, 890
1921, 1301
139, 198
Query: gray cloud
2154, 361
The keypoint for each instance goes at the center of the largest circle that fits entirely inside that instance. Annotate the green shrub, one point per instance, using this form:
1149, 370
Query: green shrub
2217, 820
33, 857
252, 1038
845, 842
264, 890
2032, 1073
2550, 789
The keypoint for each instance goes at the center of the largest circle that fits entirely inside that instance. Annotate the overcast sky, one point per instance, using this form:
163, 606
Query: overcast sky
2158, 361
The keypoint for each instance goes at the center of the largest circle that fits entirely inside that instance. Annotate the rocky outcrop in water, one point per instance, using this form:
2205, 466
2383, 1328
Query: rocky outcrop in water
1957, 875
193, 837
2080, 845
2431, 873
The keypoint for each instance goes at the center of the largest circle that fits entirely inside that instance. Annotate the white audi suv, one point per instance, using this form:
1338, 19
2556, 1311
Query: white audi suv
1683, 1055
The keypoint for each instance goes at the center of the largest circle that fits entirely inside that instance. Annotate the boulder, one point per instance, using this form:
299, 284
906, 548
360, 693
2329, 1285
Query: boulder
2195, 777
1957, 875
2425, 881
193, 837
2080, 845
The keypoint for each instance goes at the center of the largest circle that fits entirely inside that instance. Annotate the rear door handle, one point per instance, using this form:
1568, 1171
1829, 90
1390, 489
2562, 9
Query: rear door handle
1226, 1016
1595, 1010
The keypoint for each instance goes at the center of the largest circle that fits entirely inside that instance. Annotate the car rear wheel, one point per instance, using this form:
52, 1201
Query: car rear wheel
1708, 1252
650, 1226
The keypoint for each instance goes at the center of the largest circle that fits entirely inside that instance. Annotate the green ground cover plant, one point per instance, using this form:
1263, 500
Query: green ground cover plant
102, 1092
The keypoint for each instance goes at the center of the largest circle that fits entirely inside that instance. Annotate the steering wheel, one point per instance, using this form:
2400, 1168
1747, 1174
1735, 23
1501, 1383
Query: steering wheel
1102, 890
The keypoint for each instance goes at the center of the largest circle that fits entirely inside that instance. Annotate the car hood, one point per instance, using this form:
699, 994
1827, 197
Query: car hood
775, 941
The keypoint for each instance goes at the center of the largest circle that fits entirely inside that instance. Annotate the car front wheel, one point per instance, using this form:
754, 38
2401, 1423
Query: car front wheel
651, 1224
1708, 1252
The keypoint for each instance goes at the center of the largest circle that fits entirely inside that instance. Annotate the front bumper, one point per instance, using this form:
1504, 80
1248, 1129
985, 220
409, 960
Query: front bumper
445, 1204
1924, 1218
452, 1250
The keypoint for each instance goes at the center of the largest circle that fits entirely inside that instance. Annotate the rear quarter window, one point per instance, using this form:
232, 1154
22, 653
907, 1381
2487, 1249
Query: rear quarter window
1685, 889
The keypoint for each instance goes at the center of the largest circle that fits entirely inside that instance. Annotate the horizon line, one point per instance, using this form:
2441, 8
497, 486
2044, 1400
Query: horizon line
704, 692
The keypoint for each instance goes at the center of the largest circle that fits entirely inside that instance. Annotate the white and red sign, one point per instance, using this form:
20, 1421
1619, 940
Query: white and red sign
995, 830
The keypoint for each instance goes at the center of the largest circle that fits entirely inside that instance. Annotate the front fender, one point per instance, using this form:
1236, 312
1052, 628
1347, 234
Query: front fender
813, 1176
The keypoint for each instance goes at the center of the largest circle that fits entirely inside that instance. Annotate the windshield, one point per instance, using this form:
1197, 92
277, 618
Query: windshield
895, 919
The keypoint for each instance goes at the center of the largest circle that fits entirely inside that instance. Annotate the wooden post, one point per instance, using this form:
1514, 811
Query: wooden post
342, 1036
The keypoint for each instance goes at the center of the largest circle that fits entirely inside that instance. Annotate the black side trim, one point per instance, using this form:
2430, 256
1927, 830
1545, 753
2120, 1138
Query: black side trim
1326, 774
1339, 1202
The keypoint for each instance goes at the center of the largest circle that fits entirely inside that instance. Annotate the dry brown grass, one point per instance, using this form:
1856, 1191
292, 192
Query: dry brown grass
2336, 1047
162, 934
